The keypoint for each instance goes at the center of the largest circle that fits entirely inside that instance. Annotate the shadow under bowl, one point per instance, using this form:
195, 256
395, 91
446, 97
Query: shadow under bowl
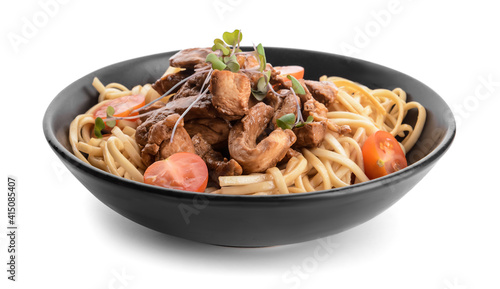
253, 221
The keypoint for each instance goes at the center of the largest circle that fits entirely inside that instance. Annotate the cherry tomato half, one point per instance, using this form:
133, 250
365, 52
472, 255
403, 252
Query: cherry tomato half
293, 70
382, 155
181, 171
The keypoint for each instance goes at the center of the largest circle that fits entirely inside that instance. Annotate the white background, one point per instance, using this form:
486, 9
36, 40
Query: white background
444, 234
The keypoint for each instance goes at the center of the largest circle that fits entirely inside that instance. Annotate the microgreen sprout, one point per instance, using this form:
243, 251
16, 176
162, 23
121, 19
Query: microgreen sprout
261, 55
100, 124
228, 47
296, 86
98, 127
288, 121
262, 84
308, 120
109, 114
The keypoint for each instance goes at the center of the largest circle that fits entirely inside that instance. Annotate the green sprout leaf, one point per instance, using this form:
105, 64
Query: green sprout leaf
308, 120
109, 114
98, 127
268, 74
216, 62
262, 56
287, 121
232, 38
261, 91
232, 63
220, 45
296, 86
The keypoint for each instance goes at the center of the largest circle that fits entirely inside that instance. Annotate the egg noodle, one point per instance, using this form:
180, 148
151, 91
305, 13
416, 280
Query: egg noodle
337, 162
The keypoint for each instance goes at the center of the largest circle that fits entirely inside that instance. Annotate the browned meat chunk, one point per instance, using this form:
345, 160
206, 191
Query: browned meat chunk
168, 81
192, 86
217, 164
201, 109
310, 106
254, 75
247, 60
316, 109
214, 131
231, 92
290, 153
323, 91
268, 152
289, 105
159, 147
157, 105
310, 135
340, 129
189, 58
275, 100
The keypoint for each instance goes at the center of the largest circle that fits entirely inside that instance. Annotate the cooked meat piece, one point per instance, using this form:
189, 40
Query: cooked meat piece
217, 164
201, 109
168, 81
304, 97
158, 145
189, 58
252, 101
289, 105
316, 109
311, 106
192, 86
340, 129
275, 100
290, 153
214, 131
157, 105
268, 152
254, 75
231, 92
310, 135
247, 60
323, 91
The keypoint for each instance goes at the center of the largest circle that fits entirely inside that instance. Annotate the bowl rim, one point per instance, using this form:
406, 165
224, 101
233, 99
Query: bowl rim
359, 188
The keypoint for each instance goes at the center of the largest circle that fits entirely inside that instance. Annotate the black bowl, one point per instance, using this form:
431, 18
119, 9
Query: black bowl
252, 221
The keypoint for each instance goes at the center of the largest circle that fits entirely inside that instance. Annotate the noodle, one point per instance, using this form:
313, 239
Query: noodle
338, 162
333, 164
117, 153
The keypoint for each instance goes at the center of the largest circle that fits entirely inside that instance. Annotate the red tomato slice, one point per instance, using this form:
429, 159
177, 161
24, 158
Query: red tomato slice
181, 171
382, 155
123, 106
293, 70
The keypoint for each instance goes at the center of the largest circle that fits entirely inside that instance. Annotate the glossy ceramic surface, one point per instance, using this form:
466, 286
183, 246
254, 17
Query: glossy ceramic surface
252, 221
